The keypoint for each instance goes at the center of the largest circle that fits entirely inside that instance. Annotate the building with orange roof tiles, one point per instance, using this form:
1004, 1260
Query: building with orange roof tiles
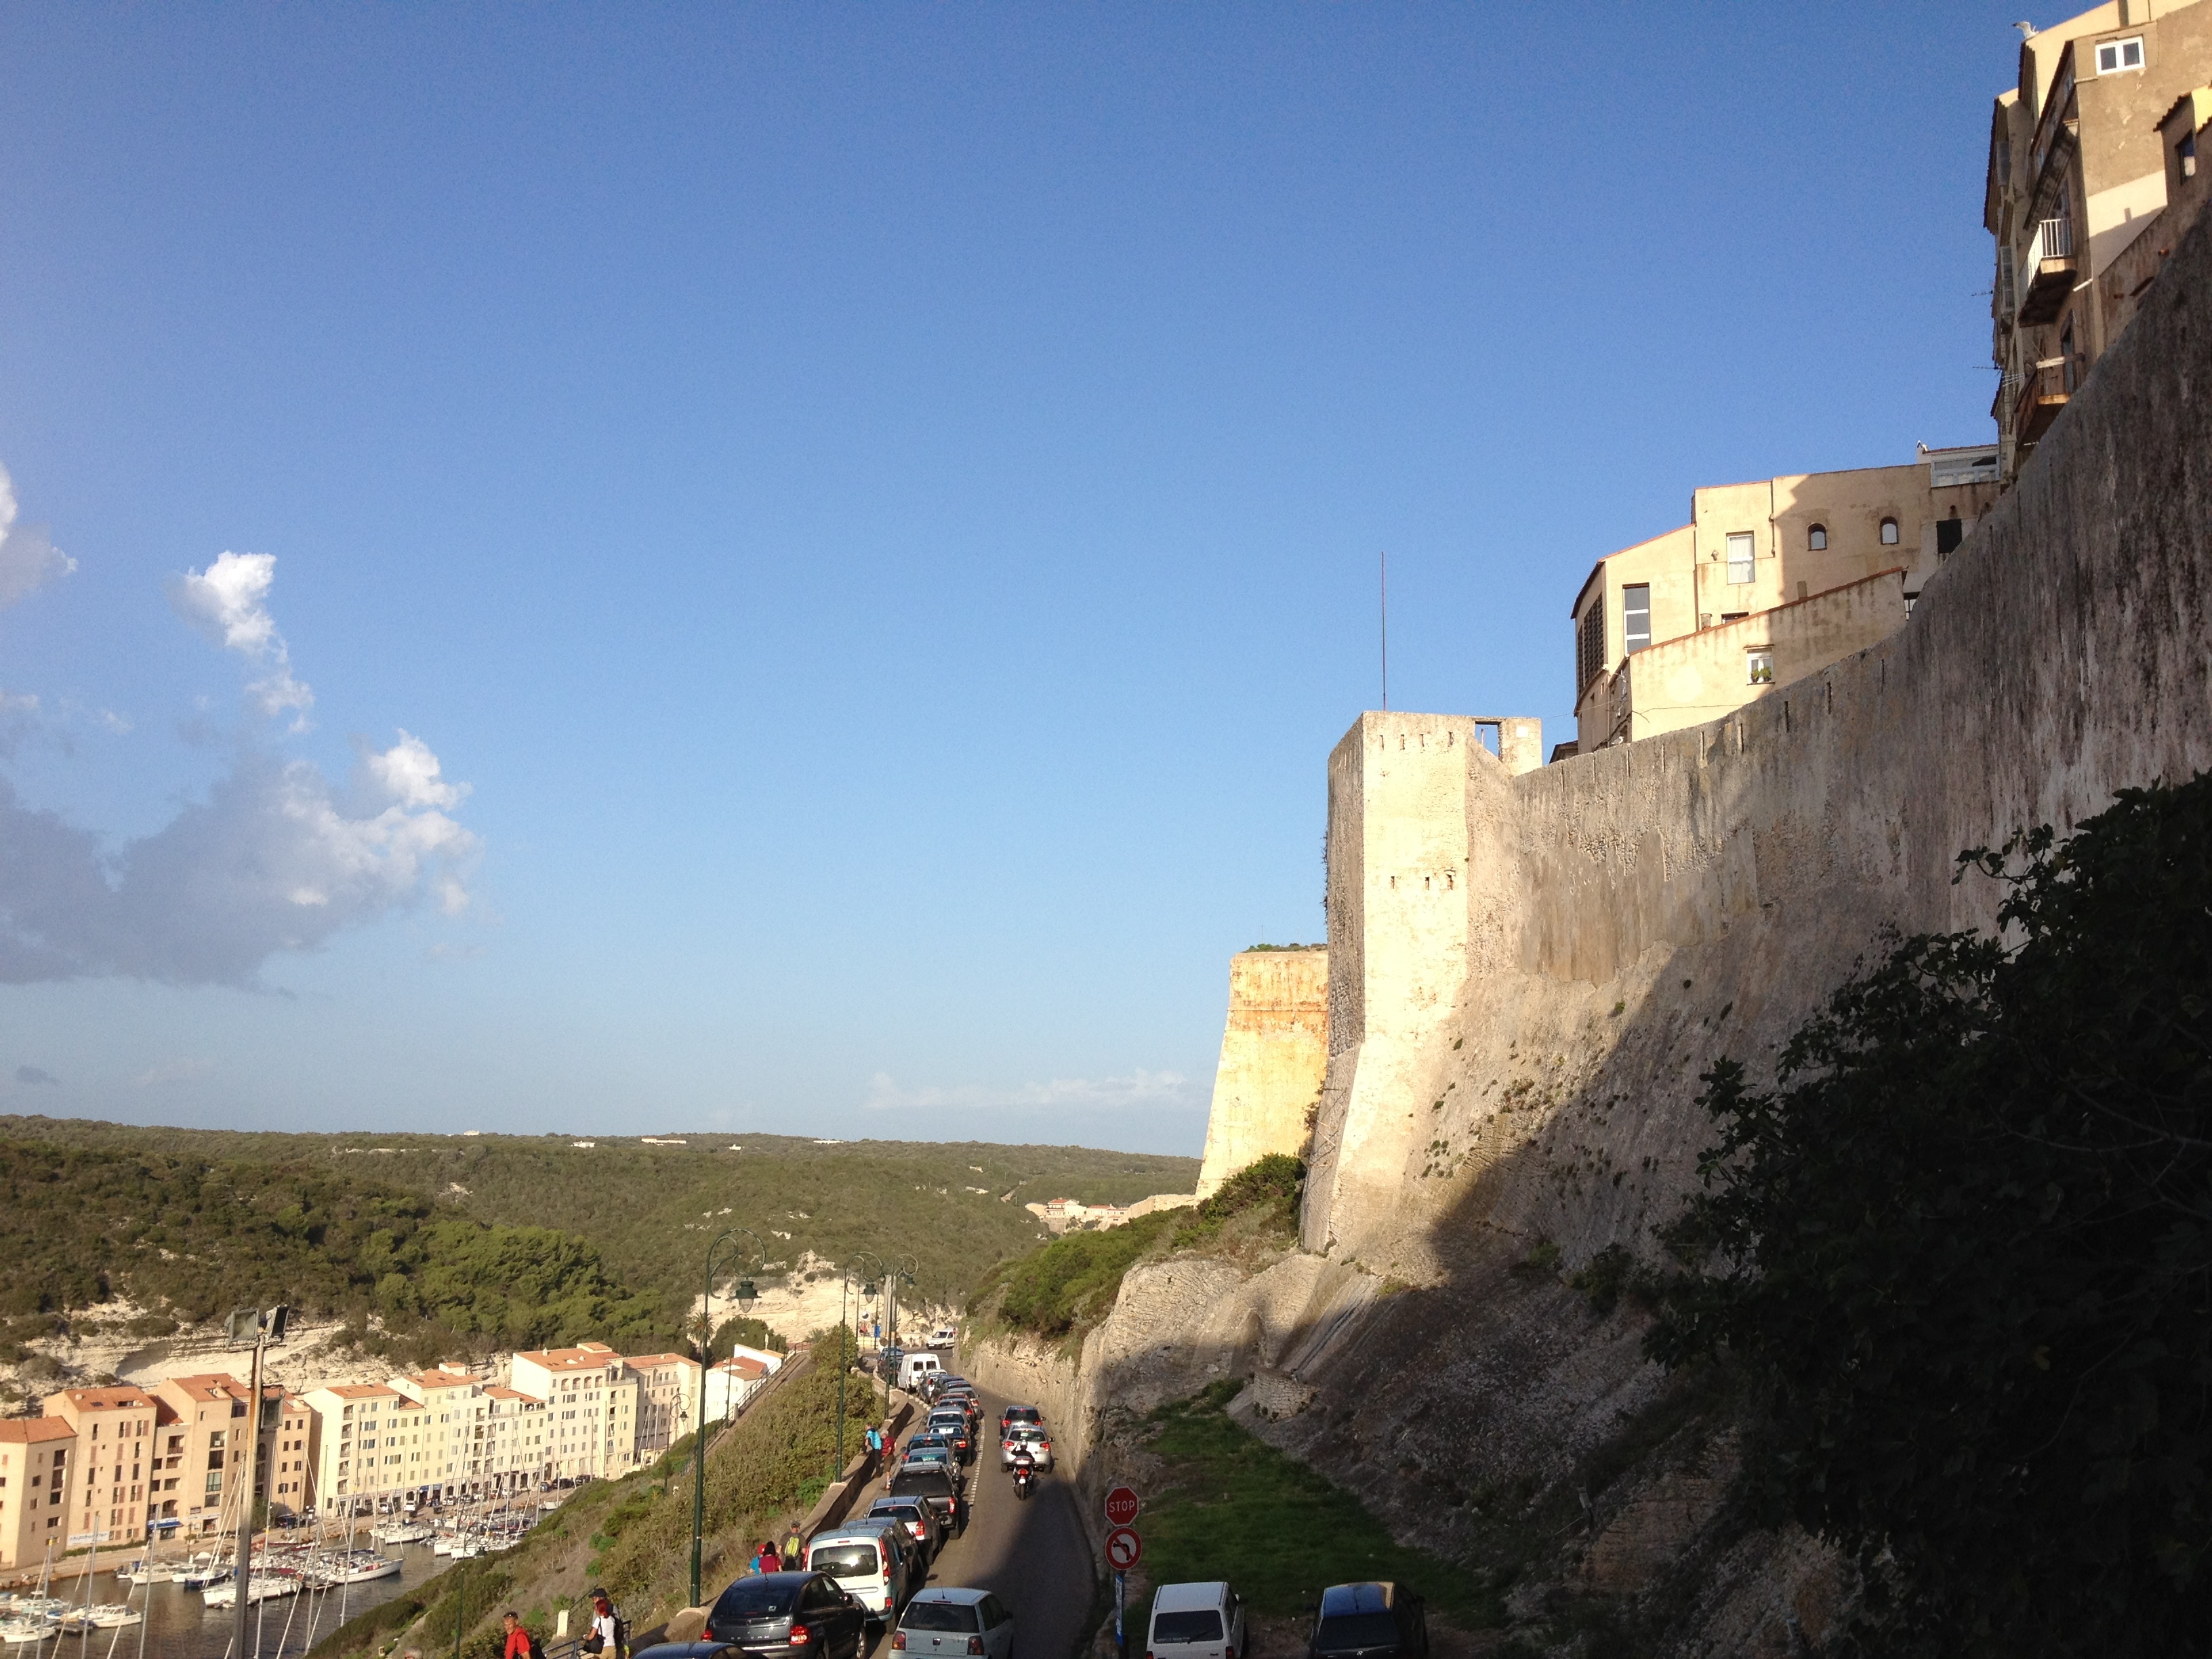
35, 1453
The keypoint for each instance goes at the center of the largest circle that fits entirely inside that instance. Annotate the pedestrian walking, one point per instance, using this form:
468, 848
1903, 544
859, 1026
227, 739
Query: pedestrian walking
766, 1561
520, 1643
794, 1550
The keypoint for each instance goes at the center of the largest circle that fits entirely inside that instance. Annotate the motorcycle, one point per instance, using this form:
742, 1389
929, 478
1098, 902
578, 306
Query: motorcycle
1024, 1476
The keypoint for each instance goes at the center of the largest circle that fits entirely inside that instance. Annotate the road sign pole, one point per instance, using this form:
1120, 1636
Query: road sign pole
1121, 1600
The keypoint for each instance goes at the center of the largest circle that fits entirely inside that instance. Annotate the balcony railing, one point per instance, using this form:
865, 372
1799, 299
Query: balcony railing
2047, 274
2045, 389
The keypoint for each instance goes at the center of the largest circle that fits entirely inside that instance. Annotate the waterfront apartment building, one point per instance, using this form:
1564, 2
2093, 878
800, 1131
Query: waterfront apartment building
356, 1442
203, 1429
1770, 581
667, 1401
115, 1463
591, 1409
483, 1439
2091, 178
35, 1453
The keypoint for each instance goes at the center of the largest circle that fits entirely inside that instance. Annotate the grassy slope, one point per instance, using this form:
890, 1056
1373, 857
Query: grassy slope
1233, 1507
649, 1209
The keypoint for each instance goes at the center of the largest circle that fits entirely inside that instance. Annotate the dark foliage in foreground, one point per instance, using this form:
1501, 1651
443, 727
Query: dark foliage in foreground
1964, 1253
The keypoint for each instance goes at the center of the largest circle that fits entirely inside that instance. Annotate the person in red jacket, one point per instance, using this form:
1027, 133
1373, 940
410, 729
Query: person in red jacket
518, 1639
768, 1560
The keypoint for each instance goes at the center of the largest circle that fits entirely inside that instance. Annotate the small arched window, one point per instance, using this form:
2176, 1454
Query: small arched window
1817, 538
1889, 532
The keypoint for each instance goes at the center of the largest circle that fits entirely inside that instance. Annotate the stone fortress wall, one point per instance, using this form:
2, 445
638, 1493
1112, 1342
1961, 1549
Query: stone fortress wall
1527, 972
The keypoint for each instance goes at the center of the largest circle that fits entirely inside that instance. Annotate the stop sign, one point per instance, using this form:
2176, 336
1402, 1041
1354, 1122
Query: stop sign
1120, 1507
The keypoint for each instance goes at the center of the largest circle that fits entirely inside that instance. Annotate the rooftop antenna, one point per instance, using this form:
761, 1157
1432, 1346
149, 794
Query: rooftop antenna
1385, 558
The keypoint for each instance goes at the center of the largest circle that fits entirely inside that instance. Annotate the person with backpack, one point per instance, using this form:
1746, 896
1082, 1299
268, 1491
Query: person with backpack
794, 1550
520, 1643
607, 1635
766, 1559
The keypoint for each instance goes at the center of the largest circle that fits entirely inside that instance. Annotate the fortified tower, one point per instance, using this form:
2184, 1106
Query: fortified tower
1274, 1053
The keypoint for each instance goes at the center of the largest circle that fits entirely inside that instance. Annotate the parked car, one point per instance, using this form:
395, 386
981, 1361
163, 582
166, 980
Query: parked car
923, 1444
1014, 1414
922, 1527
944, 1336
1196, 1621
874, 1561
1382, 1621
956, 1621
1026, 1438
789, 1615
937, 1487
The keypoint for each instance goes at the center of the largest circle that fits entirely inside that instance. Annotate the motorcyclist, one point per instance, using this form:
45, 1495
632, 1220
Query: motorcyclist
1025, 1468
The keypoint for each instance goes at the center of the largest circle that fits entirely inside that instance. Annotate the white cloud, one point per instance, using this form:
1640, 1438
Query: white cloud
28, 561
272, 860
1139, 1088
228, 602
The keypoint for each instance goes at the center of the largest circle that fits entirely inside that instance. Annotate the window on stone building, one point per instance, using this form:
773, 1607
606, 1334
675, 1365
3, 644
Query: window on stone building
1949, 533
1816, 538
2184, 155
1636, 616
1742, 557
1889, 532
1759, 666
2116, 55
1589, 646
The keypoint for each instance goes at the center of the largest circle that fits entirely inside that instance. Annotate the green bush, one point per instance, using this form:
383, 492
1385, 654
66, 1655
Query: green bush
1076, 1278
1961, 1251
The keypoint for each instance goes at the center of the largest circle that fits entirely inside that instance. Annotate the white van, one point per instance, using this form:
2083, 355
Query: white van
914, 1366
1196, 1621
944, 1336
871, 1562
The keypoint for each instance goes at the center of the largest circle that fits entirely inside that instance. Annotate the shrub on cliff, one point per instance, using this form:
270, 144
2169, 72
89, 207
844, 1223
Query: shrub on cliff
1963, 1252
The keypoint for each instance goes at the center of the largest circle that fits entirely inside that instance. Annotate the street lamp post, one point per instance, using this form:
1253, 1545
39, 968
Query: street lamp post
904, 1269
844, 1319
744, 1297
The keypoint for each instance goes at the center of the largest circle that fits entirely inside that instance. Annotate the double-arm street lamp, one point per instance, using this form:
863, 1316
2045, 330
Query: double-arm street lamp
726, 1250
882, 1270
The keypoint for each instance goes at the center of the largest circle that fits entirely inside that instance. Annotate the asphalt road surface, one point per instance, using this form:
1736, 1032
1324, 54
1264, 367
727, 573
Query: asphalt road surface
1031, 1551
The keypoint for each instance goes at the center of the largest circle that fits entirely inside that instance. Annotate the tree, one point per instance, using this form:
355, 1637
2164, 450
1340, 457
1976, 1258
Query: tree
1962, 1253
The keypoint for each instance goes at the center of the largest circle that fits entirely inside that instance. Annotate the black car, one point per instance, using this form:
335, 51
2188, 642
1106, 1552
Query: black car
793, 1615
1370, 1621
936, 1487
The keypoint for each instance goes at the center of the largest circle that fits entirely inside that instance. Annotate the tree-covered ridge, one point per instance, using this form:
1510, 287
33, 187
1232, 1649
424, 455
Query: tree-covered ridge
189, 1240
954, 1207
1963, 1256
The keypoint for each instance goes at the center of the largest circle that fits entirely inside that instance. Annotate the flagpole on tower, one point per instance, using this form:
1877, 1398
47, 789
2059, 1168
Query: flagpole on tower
1385, 559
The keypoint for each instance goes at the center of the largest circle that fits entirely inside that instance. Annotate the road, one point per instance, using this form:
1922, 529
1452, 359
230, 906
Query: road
1032, 1553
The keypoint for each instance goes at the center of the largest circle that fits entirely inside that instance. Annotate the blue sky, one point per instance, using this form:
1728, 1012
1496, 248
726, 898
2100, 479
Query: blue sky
805, 561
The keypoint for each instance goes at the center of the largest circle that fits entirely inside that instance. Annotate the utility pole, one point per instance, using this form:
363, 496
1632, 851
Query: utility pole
263, 1326
1385, 559
743, 1297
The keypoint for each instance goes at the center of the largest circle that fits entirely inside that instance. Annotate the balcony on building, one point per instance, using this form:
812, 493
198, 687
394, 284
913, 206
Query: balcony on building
2048, 272
2043, 391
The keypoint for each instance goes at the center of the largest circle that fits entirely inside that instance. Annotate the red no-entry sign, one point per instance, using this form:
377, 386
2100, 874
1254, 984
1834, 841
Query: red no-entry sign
1121, 1506
1124, 1549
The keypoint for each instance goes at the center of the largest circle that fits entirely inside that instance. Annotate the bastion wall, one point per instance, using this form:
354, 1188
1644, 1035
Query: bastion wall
1527, 972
